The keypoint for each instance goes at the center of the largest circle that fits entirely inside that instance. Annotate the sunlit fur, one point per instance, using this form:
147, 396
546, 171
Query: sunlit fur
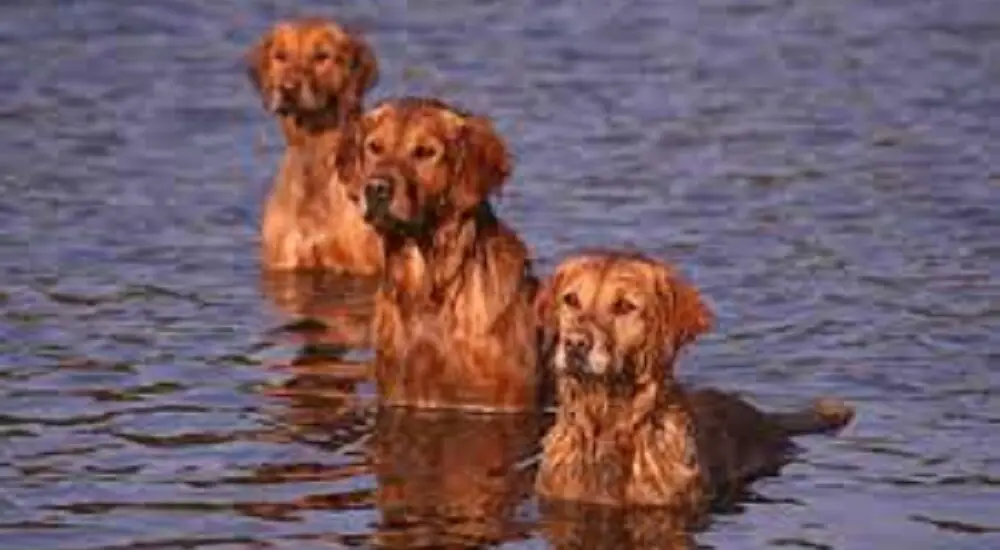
626, 432
312, 75
454, 323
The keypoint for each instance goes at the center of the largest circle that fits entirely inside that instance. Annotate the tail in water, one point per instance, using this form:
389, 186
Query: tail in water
826, 415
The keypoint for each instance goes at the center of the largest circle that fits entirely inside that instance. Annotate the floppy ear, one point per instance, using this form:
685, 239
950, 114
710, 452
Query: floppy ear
484, 163
545, 301
545, 314
682, 308
364, 65
258, 59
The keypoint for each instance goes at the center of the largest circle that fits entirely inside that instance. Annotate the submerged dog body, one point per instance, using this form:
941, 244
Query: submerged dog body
312, 75
454, 321
626, 432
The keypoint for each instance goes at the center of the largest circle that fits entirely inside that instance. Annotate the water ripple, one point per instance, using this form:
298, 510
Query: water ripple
825, 172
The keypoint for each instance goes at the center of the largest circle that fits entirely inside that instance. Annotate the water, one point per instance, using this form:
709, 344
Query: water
827, 172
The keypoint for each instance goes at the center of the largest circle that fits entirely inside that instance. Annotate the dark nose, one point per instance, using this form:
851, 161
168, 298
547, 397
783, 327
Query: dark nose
578, 346
378, 191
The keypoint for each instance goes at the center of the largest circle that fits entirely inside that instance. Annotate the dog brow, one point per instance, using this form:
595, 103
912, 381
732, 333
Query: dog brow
604, 270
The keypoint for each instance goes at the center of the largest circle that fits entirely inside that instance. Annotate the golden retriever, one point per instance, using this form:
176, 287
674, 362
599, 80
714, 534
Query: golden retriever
626, 432
454, 322
312, 75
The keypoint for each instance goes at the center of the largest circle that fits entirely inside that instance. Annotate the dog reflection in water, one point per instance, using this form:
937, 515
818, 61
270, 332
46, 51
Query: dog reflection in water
442, 478
577, 526
326, 312
320, 424
449, 479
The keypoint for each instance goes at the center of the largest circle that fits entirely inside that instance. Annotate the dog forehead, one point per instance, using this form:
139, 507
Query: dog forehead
609, 277
327, 34
409, 120
631, 280
440, 123
307, 34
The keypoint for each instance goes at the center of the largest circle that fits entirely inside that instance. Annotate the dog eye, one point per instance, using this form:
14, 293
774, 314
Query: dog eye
280, 55
374, 148
623, 307
423, 152
571, 300
321, 57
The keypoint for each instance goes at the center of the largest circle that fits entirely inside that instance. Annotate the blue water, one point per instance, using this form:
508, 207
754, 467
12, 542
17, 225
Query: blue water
828, 173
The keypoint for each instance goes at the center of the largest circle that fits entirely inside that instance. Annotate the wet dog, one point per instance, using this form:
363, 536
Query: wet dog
312, 75
626, 432
454, 322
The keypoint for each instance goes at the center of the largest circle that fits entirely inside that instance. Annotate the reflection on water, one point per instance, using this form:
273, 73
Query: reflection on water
567, 526
826, 172
450, 479
326, 310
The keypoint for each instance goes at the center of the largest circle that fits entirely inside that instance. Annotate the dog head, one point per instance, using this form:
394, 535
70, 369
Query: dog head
310, 67
423, 162
619, 316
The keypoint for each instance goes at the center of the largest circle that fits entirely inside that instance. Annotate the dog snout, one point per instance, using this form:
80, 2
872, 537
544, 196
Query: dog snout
378, 191
285, 96
578, 346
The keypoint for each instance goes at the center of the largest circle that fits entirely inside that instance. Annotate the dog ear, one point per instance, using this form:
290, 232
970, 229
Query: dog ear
683, 311
545, 313
484, 163
258, 60
349, 156
364, 65
545, 301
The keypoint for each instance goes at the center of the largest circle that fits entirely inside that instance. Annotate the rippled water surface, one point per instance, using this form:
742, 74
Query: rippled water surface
827, 172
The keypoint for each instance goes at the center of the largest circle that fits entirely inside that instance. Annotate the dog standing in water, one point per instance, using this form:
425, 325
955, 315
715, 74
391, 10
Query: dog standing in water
312, 75
454, 321
626, 432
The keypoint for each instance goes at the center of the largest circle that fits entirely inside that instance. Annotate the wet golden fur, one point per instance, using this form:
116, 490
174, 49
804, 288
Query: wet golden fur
454, 323
312, 75
626, 432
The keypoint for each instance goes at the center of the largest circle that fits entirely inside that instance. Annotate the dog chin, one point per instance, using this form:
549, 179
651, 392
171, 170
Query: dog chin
384, 222
302, 106
591, 366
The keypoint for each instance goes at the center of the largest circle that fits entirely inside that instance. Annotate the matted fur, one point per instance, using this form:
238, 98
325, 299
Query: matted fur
454, 322
312, 75
626, 432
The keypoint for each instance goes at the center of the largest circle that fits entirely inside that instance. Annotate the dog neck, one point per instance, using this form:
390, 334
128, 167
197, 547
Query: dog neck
466, 264
322, 155
627, 441
429, 269
613, 406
